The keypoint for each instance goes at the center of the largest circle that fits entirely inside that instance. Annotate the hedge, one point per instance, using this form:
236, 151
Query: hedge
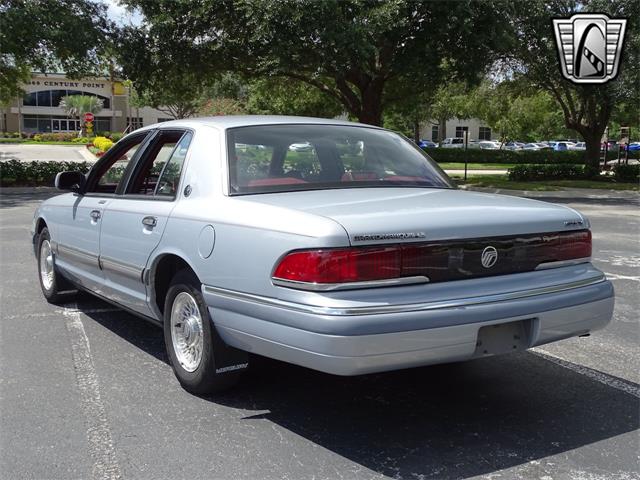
560, 171
627, 173
16, 173
476, 155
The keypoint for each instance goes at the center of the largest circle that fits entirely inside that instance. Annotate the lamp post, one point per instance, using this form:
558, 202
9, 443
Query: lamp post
465, 134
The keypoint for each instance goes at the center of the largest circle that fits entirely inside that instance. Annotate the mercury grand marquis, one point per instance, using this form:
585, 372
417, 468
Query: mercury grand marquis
333, 245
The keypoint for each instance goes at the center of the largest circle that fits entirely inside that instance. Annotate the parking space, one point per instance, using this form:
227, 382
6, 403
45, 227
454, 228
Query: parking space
87, 392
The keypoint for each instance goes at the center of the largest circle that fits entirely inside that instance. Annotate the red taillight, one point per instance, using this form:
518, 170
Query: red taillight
566, 246
340, 265
438, 261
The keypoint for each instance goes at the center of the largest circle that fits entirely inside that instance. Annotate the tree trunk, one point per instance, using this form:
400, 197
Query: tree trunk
442, 129
371, 113
416, 131
592, 139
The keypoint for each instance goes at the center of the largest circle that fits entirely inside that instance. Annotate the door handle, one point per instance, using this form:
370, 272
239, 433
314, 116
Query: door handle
150, 221
95, 215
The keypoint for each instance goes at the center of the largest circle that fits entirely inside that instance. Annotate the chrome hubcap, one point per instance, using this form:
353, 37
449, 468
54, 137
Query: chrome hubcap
46, 265
186, 331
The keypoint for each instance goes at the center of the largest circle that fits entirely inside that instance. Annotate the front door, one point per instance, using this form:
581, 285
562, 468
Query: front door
78, 239
78, 243
134, 222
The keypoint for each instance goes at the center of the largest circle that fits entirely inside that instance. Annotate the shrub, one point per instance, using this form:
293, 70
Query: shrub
560, 171
476, 155
84, 140
627, 173
116, 136
102, 143
14, 172
54, 137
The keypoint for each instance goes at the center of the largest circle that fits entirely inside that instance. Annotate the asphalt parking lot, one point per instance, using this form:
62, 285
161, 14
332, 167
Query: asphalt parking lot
86, 392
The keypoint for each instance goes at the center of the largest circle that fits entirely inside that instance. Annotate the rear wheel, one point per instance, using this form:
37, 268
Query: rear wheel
51, 282
201, 361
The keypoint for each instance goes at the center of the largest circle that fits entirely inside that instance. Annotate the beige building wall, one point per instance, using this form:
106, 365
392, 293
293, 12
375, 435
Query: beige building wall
453, 128
22, 115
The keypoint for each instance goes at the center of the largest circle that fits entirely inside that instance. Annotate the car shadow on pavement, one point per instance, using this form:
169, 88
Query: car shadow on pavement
446, 421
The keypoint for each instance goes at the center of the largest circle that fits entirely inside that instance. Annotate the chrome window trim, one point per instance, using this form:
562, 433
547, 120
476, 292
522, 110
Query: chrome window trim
562, 263
403, 308
326, 287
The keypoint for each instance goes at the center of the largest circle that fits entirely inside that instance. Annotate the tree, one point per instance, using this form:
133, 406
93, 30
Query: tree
586, 109
49, 35
365, 55
78, 105
276, 96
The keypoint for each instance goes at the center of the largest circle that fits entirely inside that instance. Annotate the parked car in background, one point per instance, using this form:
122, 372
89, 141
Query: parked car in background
357, 256
535, 146
562, 146
513, 145
457, 142
484, 144
427, 144
578, 146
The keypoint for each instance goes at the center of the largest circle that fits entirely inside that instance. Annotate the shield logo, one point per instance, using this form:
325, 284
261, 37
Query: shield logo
589, 46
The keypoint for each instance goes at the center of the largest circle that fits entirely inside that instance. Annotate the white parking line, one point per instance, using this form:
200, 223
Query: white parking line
615, 276
105, 465
627, 387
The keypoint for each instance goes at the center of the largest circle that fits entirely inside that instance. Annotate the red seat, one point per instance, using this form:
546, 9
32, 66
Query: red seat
359, 176
404, 178
274, 181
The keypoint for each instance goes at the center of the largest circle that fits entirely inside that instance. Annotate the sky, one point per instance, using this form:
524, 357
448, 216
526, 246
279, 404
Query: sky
121, 15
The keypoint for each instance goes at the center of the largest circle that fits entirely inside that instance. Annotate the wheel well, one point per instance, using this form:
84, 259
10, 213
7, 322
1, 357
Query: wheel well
165, 270
40, 224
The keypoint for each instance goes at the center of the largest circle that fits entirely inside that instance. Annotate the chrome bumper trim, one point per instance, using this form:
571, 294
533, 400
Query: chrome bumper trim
563, 263
330, 287
403, 308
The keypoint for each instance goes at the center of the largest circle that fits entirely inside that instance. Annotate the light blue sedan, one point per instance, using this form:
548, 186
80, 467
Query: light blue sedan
355, 254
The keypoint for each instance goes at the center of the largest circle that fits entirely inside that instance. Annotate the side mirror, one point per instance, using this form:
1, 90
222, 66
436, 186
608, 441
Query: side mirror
73, 181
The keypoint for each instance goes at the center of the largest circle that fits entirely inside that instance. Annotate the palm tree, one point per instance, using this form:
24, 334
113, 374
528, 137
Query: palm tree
78, 105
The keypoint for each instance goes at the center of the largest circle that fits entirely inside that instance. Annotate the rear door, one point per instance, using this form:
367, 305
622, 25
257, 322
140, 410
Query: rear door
133, 222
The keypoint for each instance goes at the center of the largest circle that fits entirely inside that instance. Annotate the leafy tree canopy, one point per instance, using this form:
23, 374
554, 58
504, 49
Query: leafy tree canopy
586, 109
365, 55
46, 35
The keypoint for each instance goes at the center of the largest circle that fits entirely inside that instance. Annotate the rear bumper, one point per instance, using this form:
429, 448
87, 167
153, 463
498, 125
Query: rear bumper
368, 338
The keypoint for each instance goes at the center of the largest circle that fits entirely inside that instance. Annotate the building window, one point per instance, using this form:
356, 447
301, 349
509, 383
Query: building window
51, 98
134, 122
484, 133
435, 133
460, 131
102, 124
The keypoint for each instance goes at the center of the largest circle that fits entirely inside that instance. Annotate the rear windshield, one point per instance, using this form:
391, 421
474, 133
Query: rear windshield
273, 158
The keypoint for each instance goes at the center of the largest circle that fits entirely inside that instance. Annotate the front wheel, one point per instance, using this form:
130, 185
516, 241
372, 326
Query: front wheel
201, 361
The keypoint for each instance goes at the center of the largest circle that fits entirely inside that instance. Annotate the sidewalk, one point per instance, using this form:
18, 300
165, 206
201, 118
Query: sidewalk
577, 193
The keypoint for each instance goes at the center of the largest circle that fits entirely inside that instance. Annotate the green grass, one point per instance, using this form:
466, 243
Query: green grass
501, 181
475, 166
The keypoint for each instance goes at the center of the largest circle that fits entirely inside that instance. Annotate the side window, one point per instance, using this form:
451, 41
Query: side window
110, 174
165, 157
170, 176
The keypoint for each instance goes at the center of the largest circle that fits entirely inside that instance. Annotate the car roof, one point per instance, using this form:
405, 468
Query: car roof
232, 121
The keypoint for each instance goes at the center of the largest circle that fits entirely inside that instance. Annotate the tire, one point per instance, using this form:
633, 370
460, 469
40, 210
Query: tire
218, 367
54, 286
